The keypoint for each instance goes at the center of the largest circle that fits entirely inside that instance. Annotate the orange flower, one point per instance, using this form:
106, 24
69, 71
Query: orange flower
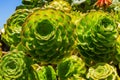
103, 3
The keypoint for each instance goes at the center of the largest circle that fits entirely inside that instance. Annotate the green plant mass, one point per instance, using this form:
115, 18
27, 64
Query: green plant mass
61, 40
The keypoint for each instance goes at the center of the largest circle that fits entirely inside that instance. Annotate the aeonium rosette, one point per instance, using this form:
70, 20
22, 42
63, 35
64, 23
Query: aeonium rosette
97, 36
13, 27
102, 71
15, 65
48, 34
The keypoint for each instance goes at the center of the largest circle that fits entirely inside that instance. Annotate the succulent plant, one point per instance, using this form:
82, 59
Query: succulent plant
13, 27
60, 5
72, 67
44, 72
48, 35
97, 36
15, 66
102, 71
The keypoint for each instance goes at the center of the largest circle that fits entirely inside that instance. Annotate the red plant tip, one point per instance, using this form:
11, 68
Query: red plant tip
103, 3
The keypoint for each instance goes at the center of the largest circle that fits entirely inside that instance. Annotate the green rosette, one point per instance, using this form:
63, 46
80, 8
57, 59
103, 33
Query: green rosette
102, 71
48, 35
13, 27
44, 72
71, 68
97, 36
16, 66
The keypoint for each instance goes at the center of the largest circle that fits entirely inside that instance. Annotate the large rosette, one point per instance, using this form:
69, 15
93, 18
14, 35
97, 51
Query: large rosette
48, 34
97, 36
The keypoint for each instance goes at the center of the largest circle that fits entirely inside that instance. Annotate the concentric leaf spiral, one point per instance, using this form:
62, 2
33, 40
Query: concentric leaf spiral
13, 66
48, 34
13, 27
97, 35
102, 71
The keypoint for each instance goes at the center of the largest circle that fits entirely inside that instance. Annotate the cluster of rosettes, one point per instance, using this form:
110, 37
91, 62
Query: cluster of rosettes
47, 34
54, 42
15, 65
